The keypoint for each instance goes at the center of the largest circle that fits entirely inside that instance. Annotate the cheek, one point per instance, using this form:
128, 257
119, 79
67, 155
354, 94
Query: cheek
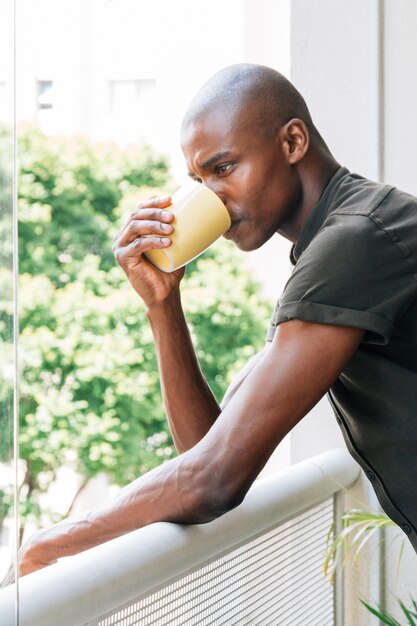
251, 185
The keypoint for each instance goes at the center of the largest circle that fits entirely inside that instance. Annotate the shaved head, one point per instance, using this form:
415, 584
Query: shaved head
254, 95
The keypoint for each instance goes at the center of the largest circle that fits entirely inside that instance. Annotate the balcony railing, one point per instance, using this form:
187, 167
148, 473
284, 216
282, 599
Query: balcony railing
261, 564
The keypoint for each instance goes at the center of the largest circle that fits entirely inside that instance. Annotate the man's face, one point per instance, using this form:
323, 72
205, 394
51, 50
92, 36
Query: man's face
247, 170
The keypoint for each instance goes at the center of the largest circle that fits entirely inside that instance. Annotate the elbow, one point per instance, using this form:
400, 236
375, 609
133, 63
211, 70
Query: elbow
206, 489
217, 505
214, 499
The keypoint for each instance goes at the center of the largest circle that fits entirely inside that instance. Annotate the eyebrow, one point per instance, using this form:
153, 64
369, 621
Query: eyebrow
213, 159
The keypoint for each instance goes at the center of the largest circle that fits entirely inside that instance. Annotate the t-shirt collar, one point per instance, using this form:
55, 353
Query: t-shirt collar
317, 216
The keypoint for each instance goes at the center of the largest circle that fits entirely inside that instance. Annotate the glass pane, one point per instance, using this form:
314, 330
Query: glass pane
8, 522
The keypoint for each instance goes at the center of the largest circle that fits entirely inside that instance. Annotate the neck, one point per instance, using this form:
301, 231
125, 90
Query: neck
314, 177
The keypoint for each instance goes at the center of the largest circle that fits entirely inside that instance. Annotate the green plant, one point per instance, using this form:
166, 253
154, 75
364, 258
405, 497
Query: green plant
386, 618
358, 526
6, 322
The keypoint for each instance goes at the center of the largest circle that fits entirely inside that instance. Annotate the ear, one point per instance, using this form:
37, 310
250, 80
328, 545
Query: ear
295, 140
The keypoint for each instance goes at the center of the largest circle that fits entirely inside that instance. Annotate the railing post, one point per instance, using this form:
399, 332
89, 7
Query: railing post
339, 580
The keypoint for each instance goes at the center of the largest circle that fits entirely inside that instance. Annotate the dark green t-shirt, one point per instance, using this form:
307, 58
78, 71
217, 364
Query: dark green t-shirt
356, 265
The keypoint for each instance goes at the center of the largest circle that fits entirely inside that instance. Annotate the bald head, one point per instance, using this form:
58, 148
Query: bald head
255, 95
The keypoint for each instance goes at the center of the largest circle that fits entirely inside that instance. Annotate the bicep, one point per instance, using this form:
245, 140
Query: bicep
241, 376
295, 372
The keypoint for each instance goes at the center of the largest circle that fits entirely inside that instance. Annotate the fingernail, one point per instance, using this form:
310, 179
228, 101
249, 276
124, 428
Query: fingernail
163, 198
166, 227
165, 240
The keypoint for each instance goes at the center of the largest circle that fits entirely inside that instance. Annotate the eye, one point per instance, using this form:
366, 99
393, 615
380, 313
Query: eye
223, 168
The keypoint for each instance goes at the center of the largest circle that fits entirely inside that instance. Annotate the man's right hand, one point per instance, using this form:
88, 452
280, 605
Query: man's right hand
190, 405
153, 220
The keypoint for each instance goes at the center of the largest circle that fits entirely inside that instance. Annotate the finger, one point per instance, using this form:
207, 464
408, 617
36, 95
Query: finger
155, 201
155, 215
138, 246
117, 235
138, 228
146, 212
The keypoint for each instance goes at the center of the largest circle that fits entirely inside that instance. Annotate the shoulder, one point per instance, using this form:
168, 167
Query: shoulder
364, 216
355, 252
356, 195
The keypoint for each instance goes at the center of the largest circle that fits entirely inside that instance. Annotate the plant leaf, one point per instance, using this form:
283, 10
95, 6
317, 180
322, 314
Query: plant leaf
382, 614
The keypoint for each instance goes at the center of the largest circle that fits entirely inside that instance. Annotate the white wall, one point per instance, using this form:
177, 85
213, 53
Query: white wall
334, 64
400, 94
6, 62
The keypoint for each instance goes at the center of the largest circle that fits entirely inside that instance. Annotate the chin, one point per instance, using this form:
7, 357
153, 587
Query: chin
253, 241
245, 238
245, 247
248, 246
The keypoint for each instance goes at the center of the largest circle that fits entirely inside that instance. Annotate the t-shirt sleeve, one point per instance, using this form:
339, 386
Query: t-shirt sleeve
351, 274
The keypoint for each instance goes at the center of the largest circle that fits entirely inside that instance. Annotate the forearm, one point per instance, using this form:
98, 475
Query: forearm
190, 405
170, 492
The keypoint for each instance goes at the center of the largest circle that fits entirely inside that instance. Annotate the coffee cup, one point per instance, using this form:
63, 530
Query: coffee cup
200, 219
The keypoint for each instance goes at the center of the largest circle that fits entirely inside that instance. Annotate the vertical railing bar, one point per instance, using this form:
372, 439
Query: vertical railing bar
339, 581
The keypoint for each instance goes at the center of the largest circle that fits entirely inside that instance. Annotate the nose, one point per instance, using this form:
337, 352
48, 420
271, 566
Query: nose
216, 187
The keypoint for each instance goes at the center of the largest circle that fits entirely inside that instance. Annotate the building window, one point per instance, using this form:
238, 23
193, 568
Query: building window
45, 94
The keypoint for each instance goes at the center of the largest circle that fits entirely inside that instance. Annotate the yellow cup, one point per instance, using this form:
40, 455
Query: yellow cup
200, 219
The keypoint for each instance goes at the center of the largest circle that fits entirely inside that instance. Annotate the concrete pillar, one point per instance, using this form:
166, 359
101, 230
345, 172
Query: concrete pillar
354, 62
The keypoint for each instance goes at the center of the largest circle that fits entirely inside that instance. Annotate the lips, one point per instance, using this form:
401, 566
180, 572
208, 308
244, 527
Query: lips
229, 233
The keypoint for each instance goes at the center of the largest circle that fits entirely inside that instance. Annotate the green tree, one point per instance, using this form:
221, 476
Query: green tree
90, 396
6, 322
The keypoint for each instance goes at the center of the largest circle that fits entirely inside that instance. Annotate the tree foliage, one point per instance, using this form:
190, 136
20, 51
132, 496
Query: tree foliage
7, 357
90, 396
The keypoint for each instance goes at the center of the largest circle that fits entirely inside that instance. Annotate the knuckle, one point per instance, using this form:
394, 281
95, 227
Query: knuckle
153, 201
146, 204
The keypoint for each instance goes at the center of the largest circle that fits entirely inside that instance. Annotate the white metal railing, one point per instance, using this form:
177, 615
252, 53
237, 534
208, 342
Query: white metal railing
258, 564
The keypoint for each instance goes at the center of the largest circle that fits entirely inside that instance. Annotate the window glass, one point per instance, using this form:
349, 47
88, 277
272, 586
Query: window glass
8, 522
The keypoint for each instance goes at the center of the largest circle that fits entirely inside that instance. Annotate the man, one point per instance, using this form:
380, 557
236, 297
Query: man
347, 320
